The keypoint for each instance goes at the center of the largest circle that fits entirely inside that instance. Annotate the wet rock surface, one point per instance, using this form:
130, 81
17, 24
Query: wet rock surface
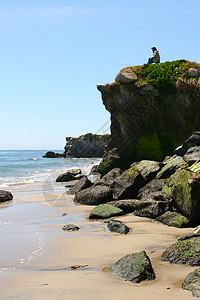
134, 267
117, 226
5, 196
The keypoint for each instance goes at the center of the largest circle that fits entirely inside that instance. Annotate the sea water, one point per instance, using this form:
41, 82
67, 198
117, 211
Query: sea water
26, 171
24, 231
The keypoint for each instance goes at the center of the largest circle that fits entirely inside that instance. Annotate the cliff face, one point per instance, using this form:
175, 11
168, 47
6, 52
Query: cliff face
152, 112
88, 145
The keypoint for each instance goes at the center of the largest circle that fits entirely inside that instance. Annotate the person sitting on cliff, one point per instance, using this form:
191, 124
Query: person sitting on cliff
155, 58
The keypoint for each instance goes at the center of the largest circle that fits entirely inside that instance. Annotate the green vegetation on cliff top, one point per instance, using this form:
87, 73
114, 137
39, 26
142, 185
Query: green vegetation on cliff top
163, 76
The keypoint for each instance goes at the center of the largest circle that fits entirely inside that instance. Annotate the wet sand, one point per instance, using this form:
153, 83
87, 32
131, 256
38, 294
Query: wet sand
38, 265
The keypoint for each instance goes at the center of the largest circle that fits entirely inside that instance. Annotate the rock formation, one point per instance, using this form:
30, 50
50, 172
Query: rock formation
88, 145
153, 111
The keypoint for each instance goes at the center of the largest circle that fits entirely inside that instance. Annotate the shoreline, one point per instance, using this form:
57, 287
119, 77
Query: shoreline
49, 275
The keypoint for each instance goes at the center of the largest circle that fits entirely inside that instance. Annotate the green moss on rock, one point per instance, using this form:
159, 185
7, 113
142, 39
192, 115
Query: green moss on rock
173, 219
104, 211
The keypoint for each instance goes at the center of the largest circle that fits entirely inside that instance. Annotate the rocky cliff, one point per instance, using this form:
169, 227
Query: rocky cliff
153, 108
88, 145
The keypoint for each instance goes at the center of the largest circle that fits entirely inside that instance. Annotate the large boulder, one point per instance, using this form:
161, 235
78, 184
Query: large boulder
117, 226
174, 219
5, 196
88, 145
134, 267
183, 252
126, 75
148, 169
171, 166
184, 188
151, 208
80, 185
94, 195
192, 155
128, 184
192, 141
155, 185
192, 283
104, 211
127, 205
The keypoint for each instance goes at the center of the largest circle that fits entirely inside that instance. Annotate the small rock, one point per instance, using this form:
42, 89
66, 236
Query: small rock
117, 226
70, 227
5, 196
192, 73
104, 211
50, 154
134, 267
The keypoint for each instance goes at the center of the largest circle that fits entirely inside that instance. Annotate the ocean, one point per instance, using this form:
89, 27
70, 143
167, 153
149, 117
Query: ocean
27, 173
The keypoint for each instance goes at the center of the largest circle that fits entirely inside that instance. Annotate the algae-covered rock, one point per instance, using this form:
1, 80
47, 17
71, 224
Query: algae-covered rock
171, 166
110, 161
184, 187
128, 184
148, 169
192, 283
104, 211
117, 226
174, 219
185, 252
134, 267
94, 195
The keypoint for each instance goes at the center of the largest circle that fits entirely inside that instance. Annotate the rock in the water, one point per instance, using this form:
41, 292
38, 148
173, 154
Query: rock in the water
192, 141
127, 185
192, 155
148, 169
173, 219
192, 283
126, 75
88, 145
184, 188
117, 226
82, 184
74, 172
94, 195
70, 227
5, 196
94, 170
105, 211
184, 252
134, 267
65, 177
50, 154
171, 167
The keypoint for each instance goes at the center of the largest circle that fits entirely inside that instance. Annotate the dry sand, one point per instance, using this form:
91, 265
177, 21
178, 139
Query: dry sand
49, 276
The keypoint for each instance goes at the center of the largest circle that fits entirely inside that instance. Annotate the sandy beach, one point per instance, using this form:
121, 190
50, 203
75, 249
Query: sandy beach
48, 273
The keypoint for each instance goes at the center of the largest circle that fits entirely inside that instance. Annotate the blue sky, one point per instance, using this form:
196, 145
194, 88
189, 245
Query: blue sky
54, 53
